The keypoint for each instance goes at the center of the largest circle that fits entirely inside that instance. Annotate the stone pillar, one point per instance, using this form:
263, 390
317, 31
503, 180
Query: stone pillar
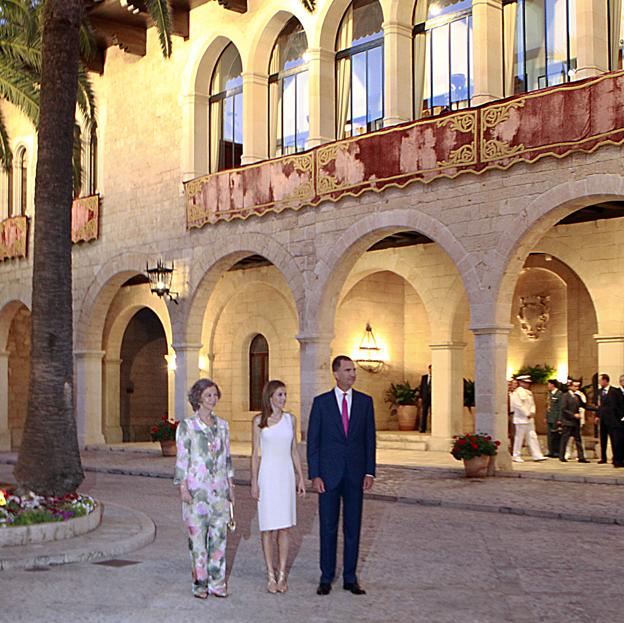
186, 373
611, 356
255, 117
447, 387
171, 376
487, 42
5, 433
398, 73
194, 156
89, 399
113, 432
315, 372
321, 86
491, 386
592, 39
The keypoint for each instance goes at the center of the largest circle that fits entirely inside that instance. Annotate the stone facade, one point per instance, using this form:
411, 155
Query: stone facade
451, 302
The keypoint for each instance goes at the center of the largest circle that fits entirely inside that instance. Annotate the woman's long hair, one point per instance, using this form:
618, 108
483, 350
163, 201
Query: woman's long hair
267, 409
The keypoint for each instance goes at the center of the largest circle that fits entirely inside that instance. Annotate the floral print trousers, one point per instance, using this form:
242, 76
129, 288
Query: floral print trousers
207, 542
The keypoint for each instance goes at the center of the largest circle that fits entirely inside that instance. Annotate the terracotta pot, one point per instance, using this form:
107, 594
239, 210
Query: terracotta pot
407, 416
168, 447
477, 467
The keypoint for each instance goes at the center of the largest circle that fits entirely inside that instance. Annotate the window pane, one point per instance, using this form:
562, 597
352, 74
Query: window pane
446, 7
228, 119
459, 60
572, 32
367, 21
440, 77
303, 117
358, 93
288, 112
556, 41
375, 86
238, 118
427, 104
535, 51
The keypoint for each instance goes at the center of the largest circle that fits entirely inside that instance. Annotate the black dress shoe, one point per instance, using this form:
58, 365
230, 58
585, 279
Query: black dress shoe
584, 461
354, 587
323, 589
563, 460
602, 462
618, 464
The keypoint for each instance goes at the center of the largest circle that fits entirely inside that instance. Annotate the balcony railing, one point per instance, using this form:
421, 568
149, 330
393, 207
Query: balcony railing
557, 121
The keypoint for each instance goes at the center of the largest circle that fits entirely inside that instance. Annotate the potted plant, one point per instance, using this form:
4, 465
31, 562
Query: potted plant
405, 398
165, 432
476, 450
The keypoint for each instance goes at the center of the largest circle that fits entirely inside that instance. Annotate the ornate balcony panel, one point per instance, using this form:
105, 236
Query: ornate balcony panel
13, 237
85, 219
556, 122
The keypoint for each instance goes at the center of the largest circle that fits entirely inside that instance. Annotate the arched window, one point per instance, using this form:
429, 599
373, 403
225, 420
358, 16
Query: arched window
443, 78
288, 91
360, 69
539, 48
21, 170
9, 191
616, 33
258, 370
226, 111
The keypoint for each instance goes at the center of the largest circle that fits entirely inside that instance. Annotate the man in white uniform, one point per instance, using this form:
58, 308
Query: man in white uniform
522, 405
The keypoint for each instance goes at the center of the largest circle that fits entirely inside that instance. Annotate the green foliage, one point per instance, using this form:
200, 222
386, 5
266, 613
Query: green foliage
539, 374
473, 444
36, 515
469, 393
402, 394
165, 430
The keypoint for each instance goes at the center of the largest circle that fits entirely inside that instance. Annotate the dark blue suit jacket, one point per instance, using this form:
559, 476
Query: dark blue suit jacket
333, 455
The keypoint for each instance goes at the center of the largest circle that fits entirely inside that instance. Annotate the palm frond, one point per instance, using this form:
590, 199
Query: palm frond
6, 155
85, 97
160, 12
18, 88
16, 51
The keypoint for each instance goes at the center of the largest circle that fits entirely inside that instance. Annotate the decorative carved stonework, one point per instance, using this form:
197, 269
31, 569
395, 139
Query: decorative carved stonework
534, 314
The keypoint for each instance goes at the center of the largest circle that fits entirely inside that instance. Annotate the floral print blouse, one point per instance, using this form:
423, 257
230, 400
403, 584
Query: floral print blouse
204, 461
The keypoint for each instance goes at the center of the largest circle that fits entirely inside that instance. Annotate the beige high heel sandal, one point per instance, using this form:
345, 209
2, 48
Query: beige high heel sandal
282, 585
271, 582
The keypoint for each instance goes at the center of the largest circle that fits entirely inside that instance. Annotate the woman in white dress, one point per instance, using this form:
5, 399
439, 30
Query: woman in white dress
274, 461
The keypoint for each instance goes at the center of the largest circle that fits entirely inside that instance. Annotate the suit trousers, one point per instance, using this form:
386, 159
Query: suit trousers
617, 443
554, 439
606, 433
352, 496
575, 432
426, 407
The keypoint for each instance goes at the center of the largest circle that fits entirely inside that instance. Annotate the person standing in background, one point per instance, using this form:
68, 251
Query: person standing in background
425, 399
553, 418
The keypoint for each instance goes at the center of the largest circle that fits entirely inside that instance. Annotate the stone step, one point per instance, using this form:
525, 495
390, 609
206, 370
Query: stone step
397, 440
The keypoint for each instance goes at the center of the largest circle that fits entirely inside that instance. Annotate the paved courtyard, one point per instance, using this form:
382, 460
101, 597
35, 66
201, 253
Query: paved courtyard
418, 562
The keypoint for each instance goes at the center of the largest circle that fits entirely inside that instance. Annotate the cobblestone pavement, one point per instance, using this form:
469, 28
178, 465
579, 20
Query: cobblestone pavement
418, 563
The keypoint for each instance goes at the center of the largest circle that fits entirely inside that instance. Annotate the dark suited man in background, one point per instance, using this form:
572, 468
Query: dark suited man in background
553, 418
425, 398
610, 412
571, 421
341, 465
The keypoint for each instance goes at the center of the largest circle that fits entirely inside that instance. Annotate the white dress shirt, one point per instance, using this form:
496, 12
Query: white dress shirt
339, 396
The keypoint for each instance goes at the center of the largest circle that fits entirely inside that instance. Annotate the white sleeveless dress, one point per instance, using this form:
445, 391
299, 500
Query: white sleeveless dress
277, 506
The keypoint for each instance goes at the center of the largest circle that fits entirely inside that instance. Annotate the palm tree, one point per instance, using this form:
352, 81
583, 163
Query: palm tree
49, 457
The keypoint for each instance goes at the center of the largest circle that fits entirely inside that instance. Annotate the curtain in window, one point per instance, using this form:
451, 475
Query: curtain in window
343, 75
420, 56
275, 104
510, 13
615, 23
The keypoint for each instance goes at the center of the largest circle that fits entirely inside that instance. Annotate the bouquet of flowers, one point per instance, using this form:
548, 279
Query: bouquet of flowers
165, 430
473, 444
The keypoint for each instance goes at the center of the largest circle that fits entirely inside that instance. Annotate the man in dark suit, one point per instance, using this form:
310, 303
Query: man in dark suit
571, 424
341, 465
553, 418
610, 413
425, 398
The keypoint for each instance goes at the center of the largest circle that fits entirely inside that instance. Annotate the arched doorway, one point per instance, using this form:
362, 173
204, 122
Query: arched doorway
143, 376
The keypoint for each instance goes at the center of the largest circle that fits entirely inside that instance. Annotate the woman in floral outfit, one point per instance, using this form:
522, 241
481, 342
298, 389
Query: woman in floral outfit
204, 474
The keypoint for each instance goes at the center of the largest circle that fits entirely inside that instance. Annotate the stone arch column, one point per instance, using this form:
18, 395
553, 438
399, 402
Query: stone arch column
332, 270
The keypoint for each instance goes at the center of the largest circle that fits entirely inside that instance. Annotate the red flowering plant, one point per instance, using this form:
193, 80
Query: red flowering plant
165, 430
473, 444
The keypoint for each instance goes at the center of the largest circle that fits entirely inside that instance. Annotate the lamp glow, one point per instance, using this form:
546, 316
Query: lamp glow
369, 354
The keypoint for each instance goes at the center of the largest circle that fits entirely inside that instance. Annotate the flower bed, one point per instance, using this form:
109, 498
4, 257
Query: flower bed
32, 509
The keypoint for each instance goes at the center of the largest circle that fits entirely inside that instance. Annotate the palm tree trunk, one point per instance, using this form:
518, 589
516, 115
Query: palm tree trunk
49, 457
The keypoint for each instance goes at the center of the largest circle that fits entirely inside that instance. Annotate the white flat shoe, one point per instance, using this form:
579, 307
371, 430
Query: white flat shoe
517, 459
